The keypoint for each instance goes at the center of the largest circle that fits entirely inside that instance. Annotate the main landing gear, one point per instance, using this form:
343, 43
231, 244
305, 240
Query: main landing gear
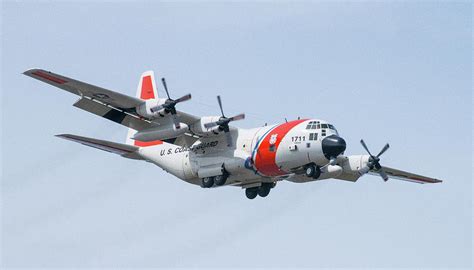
261, 191
208, 182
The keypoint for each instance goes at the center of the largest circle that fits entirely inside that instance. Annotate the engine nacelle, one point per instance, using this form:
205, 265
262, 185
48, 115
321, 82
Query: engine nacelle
330, 171
161, 132
145, 108
200, 129
353, 164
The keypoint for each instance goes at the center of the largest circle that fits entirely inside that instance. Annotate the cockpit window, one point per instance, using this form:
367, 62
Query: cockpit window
324, 126
331, 126
313, 125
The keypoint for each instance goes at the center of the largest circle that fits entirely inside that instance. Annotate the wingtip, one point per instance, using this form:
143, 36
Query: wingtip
31, 70
63, 136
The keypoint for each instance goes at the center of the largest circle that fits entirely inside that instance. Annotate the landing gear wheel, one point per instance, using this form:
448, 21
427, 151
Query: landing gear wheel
251, 193
264, 190
313, 171
220, 179
310, 170
318, 173
207, 182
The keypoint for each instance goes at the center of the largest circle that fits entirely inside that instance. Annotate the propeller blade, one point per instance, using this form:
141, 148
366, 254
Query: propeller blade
176, 121
364, 170
166, 87
220, 105
210, 125
374, 162
383, 174
237, 117
383, 150
183, 98
365, 147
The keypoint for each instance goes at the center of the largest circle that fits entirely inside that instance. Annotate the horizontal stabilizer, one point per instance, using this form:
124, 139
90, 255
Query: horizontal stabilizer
127, 151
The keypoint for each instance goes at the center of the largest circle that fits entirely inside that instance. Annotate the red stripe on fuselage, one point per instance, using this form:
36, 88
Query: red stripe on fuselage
265, 159
145, 144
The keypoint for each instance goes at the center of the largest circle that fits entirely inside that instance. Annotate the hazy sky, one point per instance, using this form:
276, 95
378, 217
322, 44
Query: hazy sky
386, 72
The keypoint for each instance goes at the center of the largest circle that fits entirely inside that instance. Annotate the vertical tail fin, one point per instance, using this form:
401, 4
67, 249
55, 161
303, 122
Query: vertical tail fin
147, 86
146, 90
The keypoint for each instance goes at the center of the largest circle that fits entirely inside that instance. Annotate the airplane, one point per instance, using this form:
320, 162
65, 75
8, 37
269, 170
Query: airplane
208, 152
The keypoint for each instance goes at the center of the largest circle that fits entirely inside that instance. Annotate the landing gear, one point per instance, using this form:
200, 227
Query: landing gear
313, 171
251, 193
262, 190
220, 179
207, 182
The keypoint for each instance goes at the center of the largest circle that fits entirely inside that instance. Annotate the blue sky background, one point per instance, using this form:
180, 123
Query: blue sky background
394, 72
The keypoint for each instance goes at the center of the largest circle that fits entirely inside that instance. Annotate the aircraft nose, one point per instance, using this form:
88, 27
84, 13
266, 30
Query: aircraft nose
333, 146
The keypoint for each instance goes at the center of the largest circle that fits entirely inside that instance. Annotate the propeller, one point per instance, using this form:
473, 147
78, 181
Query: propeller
170, 104
224, 121
374, 161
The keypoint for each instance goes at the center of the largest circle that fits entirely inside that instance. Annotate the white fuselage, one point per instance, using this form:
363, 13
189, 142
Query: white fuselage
258, 154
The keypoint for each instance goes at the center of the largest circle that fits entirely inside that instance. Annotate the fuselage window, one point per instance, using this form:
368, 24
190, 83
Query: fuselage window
311, 136
324, 126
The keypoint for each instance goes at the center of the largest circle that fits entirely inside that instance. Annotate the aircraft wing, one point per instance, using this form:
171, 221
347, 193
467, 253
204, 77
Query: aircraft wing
124, 150
407, 176
84, 89
106, 103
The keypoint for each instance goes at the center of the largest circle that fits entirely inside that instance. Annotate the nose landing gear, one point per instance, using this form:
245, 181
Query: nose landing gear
313, 171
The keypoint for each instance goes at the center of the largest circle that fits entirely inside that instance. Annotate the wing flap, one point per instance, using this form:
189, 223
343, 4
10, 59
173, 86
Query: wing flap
114, 114
124, 150
407, 176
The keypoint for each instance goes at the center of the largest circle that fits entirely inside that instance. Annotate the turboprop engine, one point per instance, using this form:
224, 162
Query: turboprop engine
145, 109
209, 125
161, 132
201, 129
155, 107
